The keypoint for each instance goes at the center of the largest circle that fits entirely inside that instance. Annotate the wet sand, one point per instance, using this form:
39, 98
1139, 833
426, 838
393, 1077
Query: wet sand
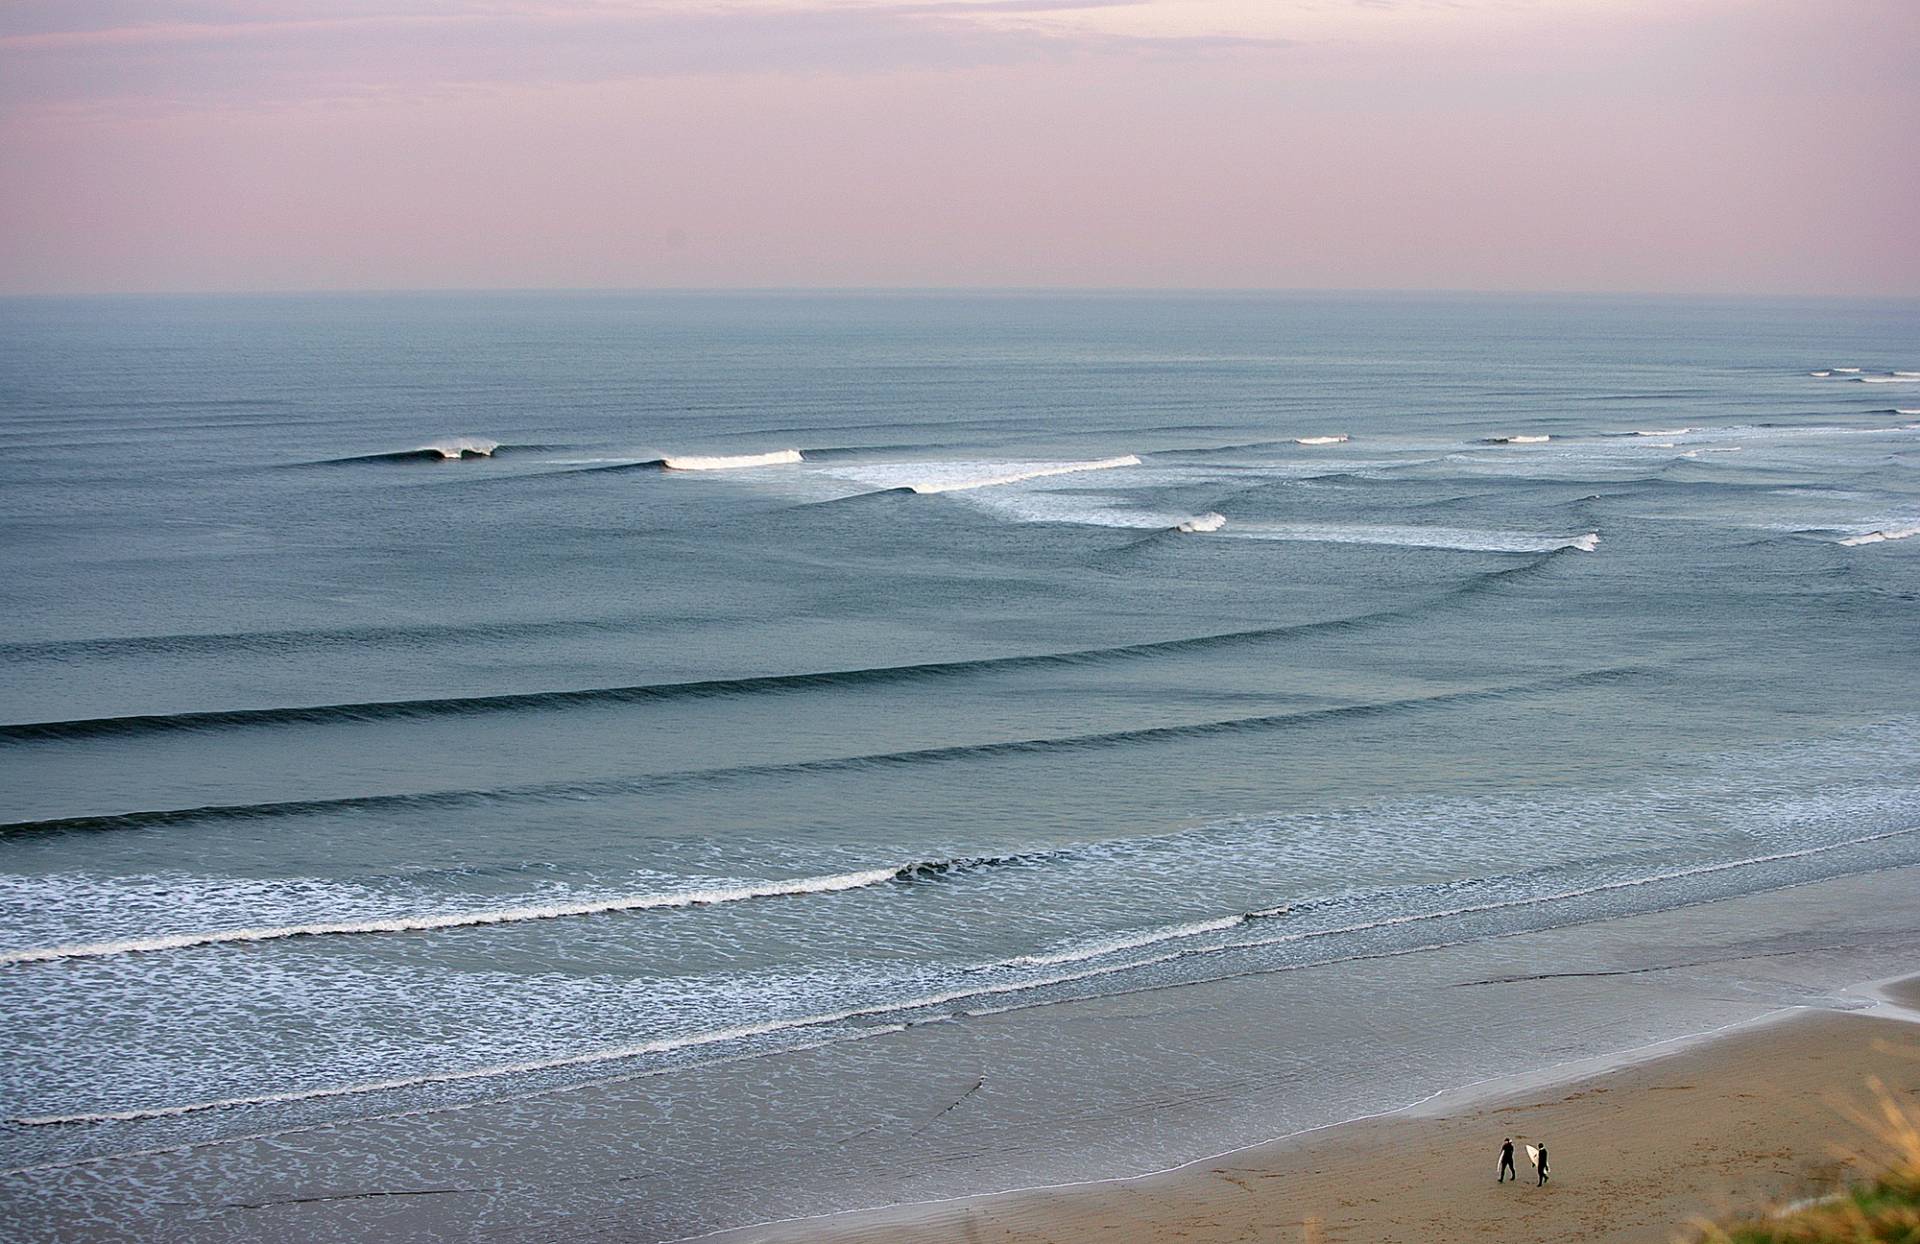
1737, 1122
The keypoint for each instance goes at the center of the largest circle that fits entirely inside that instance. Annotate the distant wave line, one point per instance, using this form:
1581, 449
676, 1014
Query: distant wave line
930, 755
455, 706
460, 706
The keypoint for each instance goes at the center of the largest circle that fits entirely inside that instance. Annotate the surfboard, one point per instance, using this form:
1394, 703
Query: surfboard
1533, 1156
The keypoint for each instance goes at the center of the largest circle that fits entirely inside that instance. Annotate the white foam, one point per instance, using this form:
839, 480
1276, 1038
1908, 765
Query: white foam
1822, 374
609, 1054
1014, 473
1463, 539
1894, 379
668, 1044
1319, 440
1522, 440
1666, 432
1908, 375
1847, 371
462, 446
1127, 941
1202, 523
1882, 536
737, 462
455, 920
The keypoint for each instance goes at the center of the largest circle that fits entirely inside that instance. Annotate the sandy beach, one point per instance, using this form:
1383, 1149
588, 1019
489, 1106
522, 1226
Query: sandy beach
1737, 1122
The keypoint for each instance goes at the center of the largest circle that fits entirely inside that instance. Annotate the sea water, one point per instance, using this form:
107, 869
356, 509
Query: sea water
418, 701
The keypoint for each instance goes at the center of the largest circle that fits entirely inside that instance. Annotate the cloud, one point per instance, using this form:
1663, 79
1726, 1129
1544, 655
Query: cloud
133, 54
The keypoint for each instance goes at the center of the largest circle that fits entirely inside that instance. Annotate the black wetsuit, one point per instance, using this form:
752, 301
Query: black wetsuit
1506, 1162
1543, 1165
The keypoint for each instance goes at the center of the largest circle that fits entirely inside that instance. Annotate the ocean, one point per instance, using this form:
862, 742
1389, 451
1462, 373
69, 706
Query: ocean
419, 706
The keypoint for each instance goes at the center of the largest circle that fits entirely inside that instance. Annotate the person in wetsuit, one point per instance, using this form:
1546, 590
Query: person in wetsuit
1506, 1162
1543, 1165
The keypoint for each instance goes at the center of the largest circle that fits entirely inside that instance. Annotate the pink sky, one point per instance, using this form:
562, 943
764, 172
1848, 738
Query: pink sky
1741, 146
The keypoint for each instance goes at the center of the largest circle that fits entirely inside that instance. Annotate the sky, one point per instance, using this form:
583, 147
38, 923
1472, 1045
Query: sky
1669, 146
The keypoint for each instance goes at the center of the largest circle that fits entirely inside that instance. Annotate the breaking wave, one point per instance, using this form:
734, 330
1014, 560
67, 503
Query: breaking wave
1319, 440
1133, 941
453, 920
938, 477
1462, 539
1518, 440
906, 1006
1203, 523
736, 462
704, 897
448, 449
1882, 536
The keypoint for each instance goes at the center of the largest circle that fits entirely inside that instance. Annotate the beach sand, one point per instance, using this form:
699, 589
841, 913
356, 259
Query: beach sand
1739, 1122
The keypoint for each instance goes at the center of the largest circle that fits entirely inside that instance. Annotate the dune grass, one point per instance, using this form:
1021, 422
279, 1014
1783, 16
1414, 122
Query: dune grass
1882, 1210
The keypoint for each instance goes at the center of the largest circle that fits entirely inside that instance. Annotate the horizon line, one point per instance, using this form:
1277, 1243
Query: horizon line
949, 290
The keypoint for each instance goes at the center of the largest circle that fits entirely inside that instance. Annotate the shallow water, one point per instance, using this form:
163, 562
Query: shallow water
414, 700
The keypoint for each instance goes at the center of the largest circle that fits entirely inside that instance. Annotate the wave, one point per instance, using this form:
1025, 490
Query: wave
449, 449
1038, 470
220, 642
462, 706
736, 462
1202, 523
705, 897
1518, 440
1664, 432
939, 477
1133, 941
1896, 378
1319, 440
1882, 536
1462, 539
906, 1006
1044, 745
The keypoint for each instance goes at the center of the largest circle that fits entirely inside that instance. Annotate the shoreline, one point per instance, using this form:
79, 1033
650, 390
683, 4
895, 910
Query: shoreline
1888, 1017
1244, 1071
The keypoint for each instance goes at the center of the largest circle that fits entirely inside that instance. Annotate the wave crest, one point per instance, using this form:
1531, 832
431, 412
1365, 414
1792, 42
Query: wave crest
1882, 536
735, 462
706, 897
1014, 473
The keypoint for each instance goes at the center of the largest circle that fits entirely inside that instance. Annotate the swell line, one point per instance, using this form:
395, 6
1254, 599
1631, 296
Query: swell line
901, 1006
463, 706
833, 764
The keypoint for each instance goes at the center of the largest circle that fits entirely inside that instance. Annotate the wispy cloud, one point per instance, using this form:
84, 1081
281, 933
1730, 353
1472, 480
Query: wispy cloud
128, 52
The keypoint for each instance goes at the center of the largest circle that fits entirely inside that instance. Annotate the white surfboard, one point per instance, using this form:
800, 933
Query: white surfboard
1533, 1156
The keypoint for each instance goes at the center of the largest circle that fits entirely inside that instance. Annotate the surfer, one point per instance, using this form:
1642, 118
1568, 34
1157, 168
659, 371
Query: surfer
1506, 1162
1541, 1162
